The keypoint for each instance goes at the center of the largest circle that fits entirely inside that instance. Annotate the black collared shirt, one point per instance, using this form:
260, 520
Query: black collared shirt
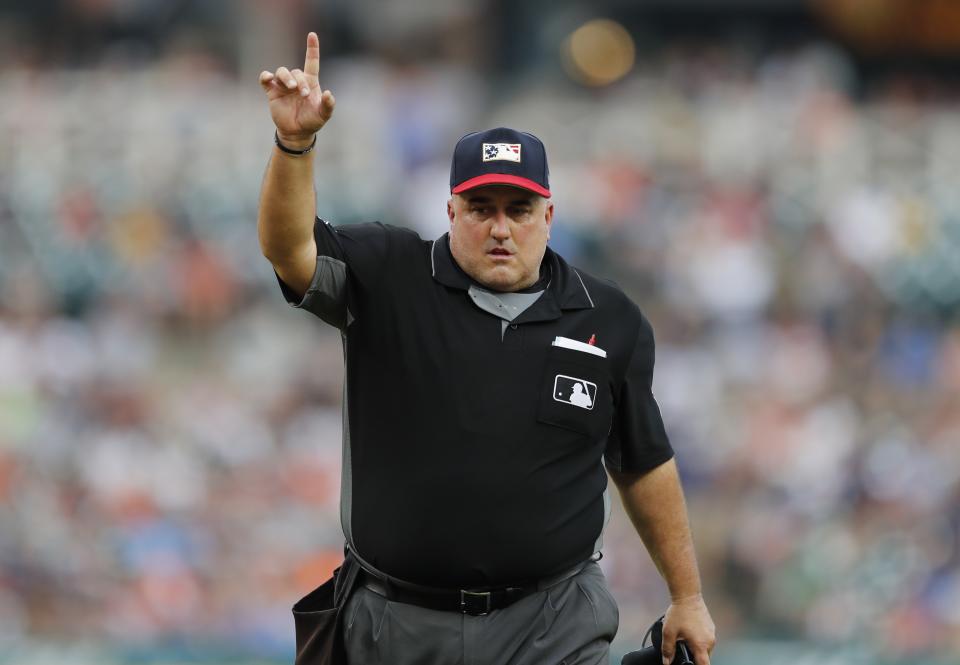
471, 459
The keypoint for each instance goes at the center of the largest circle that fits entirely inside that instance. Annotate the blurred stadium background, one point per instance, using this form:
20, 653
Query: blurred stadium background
774, 181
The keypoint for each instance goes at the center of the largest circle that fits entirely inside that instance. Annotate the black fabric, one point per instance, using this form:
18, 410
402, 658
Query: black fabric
465, 471
317, 618
478, 601
652, 655
450, 600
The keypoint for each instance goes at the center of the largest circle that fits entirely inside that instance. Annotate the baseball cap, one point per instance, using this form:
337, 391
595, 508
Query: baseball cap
500, 156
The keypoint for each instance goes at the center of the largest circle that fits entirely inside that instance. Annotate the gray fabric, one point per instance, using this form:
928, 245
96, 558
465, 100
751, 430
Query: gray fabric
507, 306
327, 294
346, 467
569, 623
597, 546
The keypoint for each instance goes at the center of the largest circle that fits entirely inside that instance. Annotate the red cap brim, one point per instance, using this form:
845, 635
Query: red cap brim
501, 179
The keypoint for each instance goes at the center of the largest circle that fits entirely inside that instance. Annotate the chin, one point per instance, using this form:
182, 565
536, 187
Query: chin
499, 281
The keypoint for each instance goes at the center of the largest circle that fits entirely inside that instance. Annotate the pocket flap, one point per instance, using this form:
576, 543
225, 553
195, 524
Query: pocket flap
575, 392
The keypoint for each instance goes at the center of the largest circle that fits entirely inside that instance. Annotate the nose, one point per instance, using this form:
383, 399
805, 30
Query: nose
500, 228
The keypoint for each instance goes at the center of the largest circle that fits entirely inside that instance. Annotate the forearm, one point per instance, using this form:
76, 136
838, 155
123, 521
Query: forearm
655, 504
287, 205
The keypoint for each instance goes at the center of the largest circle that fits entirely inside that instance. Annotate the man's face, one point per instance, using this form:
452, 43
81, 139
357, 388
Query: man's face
498, 235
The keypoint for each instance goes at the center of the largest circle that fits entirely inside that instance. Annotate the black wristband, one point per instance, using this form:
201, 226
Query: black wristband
291, 151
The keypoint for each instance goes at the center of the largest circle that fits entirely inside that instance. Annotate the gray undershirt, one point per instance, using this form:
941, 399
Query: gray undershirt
507, 306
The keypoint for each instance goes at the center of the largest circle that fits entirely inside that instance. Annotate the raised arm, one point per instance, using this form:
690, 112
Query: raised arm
299, 108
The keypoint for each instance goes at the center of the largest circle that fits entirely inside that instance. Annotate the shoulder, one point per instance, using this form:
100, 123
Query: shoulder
384, 239
607, 296
613, 304
632, 334
374, 230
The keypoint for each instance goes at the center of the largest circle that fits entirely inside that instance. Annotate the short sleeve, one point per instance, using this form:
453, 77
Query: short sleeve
638, 440
350, 261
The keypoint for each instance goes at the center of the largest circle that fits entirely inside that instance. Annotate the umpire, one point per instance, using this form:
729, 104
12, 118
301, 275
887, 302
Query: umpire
488, 382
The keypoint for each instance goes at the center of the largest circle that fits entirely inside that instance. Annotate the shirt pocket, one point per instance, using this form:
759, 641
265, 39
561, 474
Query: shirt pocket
575, 392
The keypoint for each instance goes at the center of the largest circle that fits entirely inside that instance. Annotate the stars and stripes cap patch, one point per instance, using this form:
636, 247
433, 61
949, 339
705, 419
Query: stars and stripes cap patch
500, 156
509, 152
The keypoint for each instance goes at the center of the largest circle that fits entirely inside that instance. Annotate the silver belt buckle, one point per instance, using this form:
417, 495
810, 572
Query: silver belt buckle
475, 603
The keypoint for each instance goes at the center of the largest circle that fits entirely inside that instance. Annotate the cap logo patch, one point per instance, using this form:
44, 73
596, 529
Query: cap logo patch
507, 152
571, 390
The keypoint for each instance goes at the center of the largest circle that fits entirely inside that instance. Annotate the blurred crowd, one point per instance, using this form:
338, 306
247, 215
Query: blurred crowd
170, 430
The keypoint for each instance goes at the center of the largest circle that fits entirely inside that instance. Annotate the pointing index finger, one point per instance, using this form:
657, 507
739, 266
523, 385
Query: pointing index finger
311, 63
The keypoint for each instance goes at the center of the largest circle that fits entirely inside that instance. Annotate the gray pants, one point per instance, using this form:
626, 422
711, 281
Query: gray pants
569, 623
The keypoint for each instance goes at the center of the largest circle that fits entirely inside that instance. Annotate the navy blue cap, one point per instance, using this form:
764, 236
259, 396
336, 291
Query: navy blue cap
500, 156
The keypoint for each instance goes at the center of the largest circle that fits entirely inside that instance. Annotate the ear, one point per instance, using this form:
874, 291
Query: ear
548, 216
450, 212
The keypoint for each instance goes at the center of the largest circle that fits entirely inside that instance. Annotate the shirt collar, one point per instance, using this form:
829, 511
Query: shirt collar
566, 290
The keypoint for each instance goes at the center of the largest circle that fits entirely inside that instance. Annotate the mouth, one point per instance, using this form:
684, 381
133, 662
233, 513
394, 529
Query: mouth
499, 253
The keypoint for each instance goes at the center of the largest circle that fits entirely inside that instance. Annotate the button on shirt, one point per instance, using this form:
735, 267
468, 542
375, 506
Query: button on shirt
474, 448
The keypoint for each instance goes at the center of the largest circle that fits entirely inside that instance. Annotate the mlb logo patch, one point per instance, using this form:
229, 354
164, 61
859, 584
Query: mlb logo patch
507, 152
571, 390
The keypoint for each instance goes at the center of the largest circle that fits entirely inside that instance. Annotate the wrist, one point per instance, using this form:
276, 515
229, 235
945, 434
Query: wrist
296, 141
686, 597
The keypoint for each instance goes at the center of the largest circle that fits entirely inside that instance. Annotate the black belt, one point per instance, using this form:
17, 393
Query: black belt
476, 602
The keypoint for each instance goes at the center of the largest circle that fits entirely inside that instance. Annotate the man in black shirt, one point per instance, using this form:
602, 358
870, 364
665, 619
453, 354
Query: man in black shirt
487, 384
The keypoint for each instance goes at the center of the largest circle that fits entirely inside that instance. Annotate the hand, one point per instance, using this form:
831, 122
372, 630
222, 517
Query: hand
298, 105
689, 620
